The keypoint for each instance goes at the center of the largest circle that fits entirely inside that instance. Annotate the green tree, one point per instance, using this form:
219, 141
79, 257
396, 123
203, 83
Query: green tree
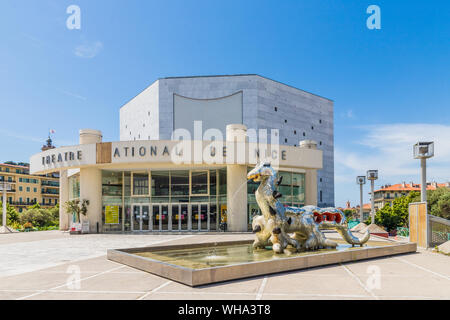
349, 214
396, 215
54, 212
438, 202
34, 206
77, 208
11, 214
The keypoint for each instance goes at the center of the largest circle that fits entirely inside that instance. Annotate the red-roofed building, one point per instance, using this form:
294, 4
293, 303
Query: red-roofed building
388, 193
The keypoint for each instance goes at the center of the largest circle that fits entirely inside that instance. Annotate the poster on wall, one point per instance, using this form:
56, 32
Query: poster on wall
223, 213
112, 214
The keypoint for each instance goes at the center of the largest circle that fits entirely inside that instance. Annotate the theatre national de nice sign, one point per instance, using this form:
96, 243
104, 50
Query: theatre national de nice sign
173, 152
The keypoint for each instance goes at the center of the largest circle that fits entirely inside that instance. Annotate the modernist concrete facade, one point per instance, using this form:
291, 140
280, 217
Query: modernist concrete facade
252, 100
186, 145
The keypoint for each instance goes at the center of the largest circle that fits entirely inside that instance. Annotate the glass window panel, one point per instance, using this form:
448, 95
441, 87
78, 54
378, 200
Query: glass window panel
298, 179
140, 183
179, 199
74, 187
160, 199
252, 186
199, 199
213, 217
111, 183
160, 183
284, 190
127, 182
223, 181
287, 177
199, 182
212, 182
179, 183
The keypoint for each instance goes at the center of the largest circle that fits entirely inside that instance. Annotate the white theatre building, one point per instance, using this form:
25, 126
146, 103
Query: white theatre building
137, 184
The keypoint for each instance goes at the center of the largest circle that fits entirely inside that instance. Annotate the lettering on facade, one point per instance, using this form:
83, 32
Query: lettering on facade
62, 157
153, 151
273, 154
142, 151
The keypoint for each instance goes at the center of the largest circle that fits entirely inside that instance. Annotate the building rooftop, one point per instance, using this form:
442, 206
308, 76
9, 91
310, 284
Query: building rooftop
412, 186
244, 75
226, 75
13, 165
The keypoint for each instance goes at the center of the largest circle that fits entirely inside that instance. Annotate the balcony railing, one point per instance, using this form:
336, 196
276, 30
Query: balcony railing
50, 183
51, 192
18, 203
9, 181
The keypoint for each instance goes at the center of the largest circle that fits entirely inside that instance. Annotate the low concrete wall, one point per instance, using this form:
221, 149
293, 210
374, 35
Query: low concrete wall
197, 277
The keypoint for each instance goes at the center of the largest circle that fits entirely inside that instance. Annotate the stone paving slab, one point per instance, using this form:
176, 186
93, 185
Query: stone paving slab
422, 275
26, 256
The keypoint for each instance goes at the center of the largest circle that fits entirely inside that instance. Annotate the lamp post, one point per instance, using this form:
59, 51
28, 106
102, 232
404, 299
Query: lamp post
372, 175
4, 187
361, 180
422, 151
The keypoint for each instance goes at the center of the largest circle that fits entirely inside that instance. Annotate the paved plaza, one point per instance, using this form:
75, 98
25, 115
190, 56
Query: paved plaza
42, 265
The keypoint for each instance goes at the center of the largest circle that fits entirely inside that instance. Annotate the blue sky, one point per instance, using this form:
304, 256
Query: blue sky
391, 87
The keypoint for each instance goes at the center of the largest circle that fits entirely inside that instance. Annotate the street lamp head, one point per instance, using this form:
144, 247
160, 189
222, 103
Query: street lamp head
423, 150
372, 174
360, 180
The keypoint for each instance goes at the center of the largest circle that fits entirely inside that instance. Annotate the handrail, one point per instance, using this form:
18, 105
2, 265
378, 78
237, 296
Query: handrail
439, 220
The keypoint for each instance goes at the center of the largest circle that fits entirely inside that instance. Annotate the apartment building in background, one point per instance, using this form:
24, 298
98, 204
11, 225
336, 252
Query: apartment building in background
26, 189
387, 193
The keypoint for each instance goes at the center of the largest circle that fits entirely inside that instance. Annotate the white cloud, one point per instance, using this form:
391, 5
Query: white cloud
20, 136
389, 148
88, 50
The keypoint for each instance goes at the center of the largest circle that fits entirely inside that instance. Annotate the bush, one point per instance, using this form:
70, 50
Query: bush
27, 225
39, 217
15, 225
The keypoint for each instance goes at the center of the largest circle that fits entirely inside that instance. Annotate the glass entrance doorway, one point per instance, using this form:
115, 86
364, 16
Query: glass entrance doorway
173, 217
180, 217
200, 216
140, 217
160, 217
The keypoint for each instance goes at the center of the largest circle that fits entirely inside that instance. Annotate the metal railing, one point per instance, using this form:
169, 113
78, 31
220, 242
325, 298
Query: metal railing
50, 192
439, 229
50, 183
18, 203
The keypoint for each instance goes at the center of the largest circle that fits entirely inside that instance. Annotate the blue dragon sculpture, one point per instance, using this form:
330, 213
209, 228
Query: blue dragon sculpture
300, 228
